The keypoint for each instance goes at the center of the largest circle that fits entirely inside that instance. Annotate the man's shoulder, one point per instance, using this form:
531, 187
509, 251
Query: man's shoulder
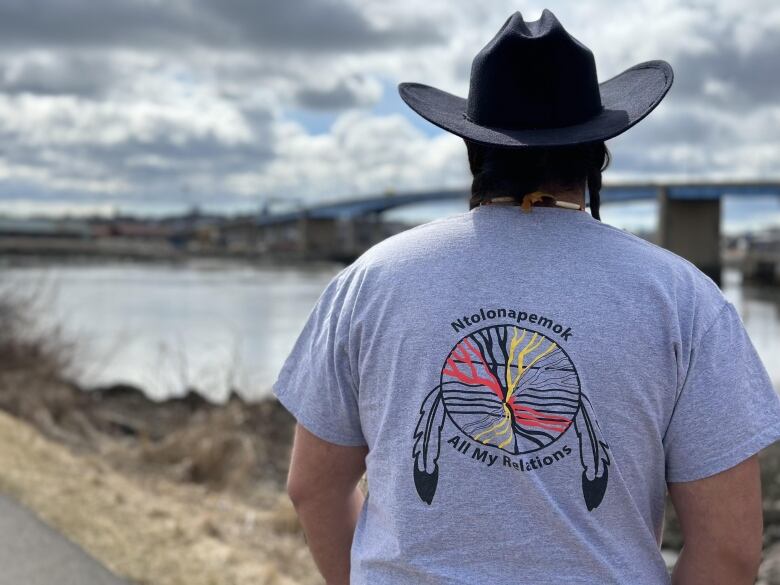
652, 257
417, 242
444, 232
618, 251
659, 273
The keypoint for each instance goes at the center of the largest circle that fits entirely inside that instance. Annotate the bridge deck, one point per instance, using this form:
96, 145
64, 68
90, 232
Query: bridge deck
617, 192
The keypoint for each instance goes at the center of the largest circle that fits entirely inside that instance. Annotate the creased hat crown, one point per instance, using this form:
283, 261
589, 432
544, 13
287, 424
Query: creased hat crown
535, 85
533, 75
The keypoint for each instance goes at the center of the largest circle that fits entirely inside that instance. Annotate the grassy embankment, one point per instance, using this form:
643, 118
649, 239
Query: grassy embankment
175, 493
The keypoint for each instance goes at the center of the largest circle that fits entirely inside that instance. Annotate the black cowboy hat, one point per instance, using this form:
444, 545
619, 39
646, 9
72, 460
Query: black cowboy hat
534, 84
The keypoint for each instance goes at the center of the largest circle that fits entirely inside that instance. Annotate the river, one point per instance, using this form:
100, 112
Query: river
217, 326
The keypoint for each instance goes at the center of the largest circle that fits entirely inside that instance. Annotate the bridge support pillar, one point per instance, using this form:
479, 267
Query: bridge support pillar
691, 228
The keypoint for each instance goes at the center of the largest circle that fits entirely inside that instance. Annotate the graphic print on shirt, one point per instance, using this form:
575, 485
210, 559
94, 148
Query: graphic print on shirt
516, 390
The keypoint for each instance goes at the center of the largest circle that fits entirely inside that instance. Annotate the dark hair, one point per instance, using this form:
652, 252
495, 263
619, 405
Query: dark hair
516, 172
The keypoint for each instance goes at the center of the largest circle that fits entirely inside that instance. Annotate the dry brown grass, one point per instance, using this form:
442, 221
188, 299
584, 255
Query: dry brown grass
177, 493
150, 529
27, 345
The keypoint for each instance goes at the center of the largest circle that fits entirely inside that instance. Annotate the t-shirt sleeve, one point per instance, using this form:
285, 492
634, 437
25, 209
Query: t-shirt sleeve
316, 382
727, 408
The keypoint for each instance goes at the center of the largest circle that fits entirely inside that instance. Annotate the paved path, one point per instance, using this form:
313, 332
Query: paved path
31, 553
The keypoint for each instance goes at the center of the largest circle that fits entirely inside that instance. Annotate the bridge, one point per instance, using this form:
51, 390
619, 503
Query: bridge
688, 223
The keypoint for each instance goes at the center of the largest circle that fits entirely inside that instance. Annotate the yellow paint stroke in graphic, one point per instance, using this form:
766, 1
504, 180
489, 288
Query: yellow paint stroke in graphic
536, 340
503, 428
513, 343
500, 429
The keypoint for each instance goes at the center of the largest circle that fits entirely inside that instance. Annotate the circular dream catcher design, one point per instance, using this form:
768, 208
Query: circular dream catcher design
514, 389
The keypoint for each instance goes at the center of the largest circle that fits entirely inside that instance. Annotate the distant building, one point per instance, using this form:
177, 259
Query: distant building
44, 228
761, 253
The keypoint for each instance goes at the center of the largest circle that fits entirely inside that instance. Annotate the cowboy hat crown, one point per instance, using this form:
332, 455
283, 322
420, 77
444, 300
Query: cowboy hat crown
534, 84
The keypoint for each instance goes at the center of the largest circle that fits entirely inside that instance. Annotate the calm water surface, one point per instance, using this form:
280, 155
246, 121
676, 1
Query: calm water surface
221, 326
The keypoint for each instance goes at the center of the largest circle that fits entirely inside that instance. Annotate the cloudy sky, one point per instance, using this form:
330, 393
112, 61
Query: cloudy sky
156, 105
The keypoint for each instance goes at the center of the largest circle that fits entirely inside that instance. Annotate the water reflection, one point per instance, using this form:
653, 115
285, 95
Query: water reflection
759, 307
166, 328
217, 326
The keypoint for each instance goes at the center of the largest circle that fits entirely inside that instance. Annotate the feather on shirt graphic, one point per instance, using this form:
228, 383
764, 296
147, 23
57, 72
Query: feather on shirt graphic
512, 389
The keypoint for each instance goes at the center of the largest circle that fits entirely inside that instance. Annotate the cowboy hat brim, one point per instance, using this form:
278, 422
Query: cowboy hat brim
626, 99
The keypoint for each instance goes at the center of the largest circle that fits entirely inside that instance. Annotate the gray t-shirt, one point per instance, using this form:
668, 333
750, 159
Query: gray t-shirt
526, 384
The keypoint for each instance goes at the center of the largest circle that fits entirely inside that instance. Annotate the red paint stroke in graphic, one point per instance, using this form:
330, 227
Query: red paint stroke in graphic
463, 352
530, 417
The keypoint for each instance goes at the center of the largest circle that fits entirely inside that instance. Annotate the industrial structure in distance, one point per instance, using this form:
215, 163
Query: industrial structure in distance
689, 224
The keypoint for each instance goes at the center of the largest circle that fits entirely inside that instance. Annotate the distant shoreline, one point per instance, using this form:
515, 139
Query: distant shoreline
28, 257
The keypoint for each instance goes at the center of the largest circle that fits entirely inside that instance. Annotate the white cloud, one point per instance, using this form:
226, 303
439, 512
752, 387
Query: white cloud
362, 155
187, 101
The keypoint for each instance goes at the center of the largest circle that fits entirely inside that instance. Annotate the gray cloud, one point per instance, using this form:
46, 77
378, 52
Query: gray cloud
748, 76
108, 23
192, 99
344, 94
303, 25
61, 75
316, 25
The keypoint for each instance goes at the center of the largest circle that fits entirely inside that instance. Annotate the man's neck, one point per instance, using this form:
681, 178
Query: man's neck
571, 195
574, 197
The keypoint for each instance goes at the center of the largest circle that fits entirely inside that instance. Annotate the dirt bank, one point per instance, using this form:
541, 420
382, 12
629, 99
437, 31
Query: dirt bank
169, 494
